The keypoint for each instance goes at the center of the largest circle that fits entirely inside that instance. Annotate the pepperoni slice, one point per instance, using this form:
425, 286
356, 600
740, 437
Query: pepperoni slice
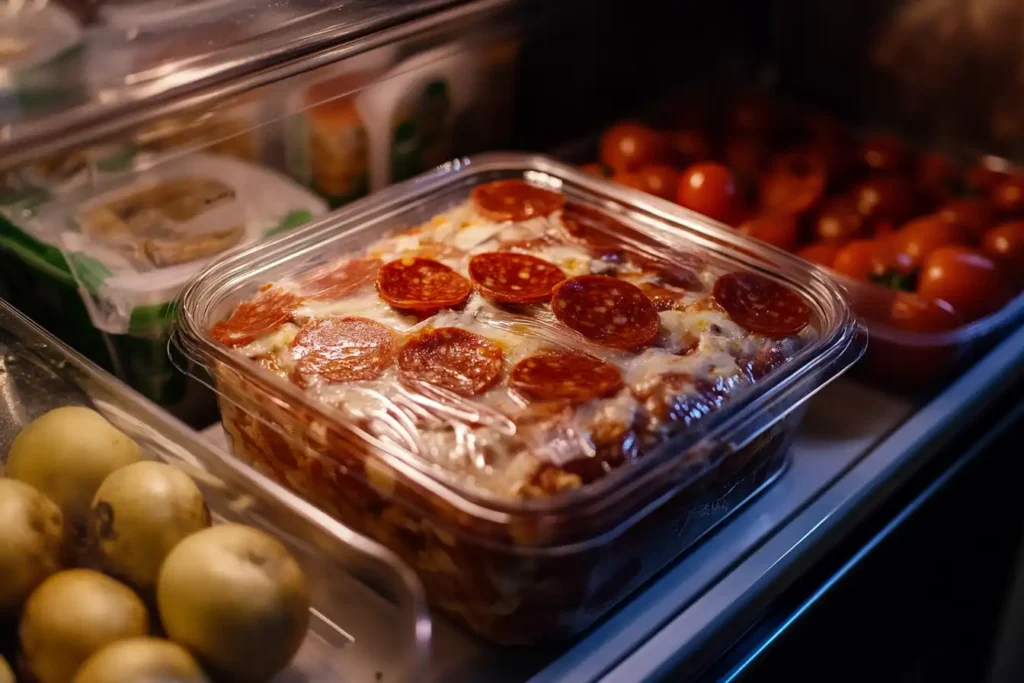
514, 200
342, 350
609, 311
256, 317
421, 284
761, 305
337, 280
512, 278
663, 298
564, 376
452, 358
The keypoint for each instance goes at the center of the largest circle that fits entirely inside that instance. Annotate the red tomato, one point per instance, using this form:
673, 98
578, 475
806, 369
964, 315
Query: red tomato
857, 259
628, 146
745, 154
629, 180
599, 170
795, 182
884, 198
778, 230
822, 254
690, 146
966, 278
974, 215
915, 313
755, 113
936, 177
1008, 195
1005, 244
983, 176
838, 221
884, 153
710, 189
921, 236
884, 228
659, 180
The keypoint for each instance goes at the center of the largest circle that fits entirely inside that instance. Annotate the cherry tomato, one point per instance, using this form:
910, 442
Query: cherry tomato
884, 228
838, 221
857, 259
755, 113
936, 176
778, 230
883, 153
974, 215
628, 146
966, 278
821, 254
710, 189
884, 198
1005, 244
629, 180
795, 182
745, 154
599, 170
659, 180
1008, 195
921, 236
984, 176
915, 313
690, 146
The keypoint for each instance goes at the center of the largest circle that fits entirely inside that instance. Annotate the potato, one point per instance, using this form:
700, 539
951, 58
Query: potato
139, 514
71, 616
31, 536
141, 660
6, 675
237, 599
66, 454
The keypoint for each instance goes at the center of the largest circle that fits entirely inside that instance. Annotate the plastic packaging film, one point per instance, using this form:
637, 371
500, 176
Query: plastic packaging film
507, 360
367, 607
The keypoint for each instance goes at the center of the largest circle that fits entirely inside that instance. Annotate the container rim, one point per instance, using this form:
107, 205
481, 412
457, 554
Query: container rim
841, 341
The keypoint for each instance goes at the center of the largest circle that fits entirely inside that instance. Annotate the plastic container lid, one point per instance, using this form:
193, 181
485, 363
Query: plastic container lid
613, 502
138, 242
368, 607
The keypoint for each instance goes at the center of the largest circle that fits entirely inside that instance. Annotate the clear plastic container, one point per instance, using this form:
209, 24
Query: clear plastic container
514, 569
368, 607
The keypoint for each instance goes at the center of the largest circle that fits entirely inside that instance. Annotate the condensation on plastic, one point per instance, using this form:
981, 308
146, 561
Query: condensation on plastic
474, 548
368, 607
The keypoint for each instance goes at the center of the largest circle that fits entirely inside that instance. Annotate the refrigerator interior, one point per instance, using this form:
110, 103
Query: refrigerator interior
577, 70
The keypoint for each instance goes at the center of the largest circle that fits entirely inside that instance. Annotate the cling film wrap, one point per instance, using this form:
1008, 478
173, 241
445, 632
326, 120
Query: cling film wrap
502, 382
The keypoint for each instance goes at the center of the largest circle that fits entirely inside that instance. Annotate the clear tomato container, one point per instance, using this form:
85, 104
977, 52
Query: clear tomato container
367, 607
513, 565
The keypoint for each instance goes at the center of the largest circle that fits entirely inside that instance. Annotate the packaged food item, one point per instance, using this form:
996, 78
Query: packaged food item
234, 129
328, 146
415, 109
922, 240
315, 593
519, 378
102, 267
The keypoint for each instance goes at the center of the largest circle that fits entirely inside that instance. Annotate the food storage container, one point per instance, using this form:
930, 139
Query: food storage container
96, 246
907, 351
349, 576
542, 561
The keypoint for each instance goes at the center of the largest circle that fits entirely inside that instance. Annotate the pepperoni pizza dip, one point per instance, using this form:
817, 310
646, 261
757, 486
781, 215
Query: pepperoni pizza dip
520, 344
